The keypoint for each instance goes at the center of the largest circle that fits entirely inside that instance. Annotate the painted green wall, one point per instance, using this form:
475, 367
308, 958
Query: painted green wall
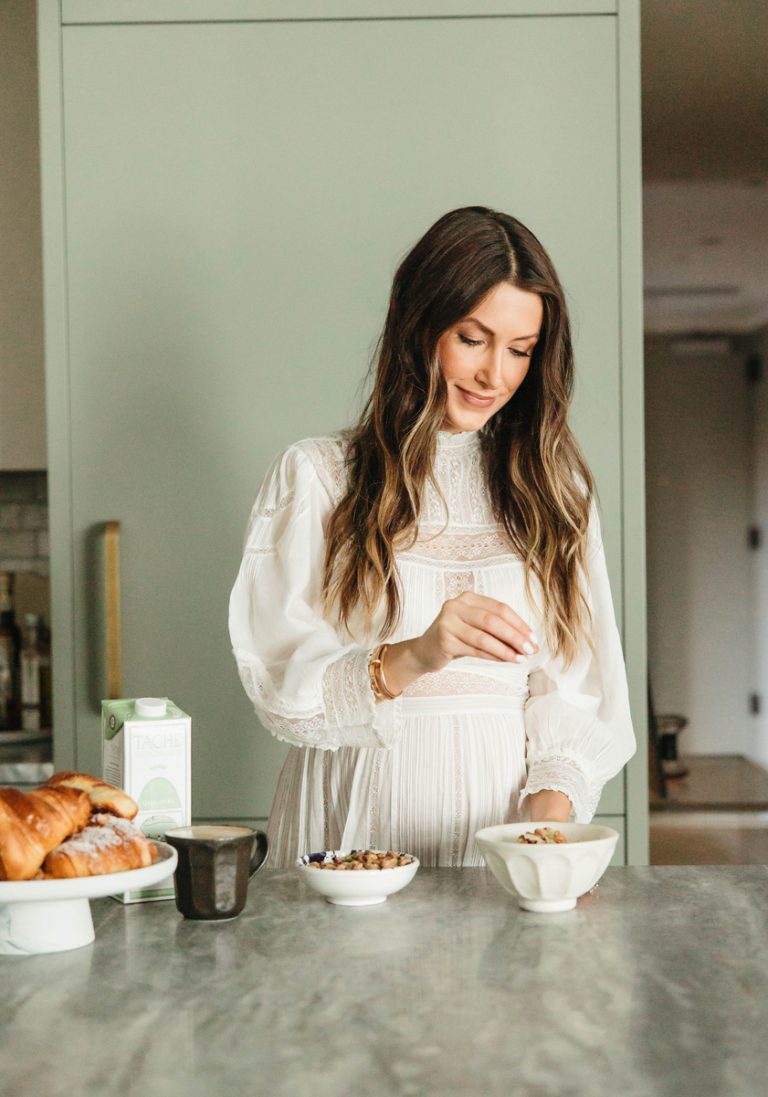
218, 257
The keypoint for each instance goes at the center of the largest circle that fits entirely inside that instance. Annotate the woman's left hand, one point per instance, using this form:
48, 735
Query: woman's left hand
549, 806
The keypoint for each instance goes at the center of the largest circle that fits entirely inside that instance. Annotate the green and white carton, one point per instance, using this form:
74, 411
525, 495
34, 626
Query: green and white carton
146, 750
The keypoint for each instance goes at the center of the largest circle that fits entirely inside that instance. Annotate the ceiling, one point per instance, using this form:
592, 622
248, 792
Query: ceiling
705, 165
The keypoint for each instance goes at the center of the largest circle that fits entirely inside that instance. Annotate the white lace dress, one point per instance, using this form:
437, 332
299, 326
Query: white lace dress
460, 749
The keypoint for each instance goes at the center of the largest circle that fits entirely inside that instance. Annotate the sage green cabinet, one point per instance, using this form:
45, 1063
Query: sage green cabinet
224, 206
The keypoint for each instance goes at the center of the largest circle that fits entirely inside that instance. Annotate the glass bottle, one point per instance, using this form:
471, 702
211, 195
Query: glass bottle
46, 682
9, 656
31, 693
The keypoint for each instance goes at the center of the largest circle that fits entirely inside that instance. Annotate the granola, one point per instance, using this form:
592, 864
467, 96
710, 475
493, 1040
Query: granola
360, 860
542, 836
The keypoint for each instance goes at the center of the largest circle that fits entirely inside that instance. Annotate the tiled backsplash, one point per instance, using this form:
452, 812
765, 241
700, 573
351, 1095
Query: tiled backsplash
24, 522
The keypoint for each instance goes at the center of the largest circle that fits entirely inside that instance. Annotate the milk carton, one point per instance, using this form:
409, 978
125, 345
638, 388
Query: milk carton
145, 749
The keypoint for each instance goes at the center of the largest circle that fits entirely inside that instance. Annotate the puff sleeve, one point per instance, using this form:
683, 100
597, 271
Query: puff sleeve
577, 719
308, 684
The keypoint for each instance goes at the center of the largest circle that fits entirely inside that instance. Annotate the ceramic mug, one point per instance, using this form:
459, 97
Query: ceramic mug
215, 865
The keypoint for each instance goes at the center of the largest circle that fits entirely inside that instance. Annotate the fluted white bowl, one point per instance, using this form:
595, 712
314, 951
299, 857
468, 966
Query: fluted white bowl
355, 889
547, 878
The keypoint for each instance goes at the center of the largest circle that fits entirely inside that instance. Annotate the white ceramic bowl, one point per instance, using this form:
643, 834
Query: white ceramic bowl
548, 878
355, 889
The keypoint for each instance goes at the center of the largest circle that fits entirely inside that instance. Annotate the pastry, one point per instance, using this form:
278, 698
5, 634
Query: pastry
103, 797
107, 844
33, 823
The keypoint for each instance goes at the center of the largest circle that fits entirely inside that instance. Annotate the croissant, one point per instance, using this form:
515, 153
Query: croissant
33, 823
103, 797
107, 844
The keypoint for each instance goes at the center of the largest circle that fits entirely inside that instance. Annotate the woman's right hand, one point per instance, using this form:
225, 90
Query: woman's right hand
471, 624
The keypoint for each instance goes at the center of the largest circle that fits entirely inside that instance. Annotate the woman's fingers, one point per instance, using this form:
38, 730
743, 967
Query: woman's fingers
487, 621
512, 637
501, 610
474, 625
487, 646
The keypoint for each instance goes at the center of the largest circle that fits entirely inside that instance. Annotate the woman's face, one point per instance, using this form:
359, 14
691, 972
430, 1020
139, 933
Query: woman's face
485, 356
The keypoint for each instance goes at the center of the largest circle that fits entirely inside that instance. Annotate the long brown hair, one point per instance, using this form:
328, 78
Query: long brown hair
540, 484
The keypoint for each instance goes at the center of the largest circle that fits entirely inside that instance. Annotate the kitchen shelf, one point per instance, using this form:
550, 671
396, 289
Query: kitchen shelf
25, 763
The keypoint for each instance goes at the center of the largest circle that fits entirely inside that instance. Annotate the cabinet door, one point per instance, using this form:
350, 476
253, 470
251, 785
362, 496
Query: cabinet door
237, 199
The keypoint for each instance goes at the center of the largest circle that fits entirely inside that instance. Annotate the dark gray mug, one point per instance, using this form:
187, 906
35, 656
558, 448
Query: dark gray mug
215, 864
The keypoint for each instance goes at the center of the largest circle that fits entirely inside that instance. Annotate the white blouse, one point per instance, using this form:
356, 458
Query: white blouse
461, 748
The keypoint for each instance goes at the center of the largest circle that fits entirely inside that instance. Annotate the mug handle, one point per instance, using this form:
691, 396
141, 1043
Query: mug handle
260, 853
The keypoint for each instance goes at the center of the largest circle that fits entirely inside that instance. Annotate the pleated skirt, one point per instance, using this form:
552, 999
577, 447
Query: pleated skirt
457, 766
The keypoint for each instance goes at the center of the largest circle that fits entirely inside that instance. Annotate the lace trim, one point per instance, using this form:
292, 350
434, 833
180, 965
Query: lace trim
326, 803
262, 693
457, 582
561, 773
327, 455
458, 784
449, 683
459, 547
466, 497
373, 802
346, 716
305, 729
309, 731
461, 478
447, 440
271, 511
349, 715
458, 470
347, 691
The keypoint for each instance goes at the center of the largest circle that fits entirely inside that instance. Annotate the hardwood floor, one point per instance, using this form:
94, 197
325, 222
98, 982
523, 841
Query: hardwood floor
716, 815
703, 838
716, 782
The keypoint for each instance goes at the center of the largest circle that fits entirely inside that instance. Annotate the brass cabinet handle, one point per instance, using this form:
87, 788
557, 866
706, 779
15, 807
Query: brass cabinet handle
112, 608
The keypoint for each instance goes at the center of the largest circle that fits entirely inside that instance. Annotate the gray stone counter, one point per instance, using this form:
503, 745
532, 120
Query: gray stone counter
657, 984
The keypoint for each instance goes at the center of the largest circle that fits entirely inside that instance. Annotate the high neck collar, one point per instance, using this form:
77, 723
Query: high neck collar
465, 440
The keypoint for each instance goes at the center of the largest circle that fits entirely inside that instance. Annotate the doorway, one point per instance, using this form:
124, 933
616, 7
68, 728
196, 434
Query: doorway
705, 186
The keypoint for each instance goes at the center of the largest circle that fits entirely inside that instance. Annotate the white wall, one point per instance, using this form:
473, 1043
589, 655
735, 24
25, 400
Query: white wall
22, 386
698, 511
757, 747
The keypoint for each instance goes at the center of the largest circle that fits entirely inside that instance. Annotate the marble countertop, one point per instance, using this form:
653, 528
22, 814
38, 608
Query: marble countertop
655, 985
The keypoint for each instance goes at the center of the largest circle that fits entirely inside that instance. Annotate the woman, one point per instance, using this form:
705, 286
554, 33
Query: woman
456, 525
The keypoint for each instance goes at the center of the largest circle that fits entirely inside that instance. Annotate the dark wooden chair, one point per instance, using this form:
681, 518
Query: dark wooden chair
657, 778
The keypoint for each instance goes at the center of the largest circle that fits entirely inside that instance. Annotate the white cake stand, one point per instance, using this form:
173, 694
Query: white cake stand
55, 915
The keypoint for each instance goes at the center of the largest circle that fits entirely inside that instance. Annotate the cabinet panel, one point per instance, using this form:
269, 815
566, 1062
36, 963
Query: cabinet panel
22, 390
186, 11
618, 823
612, 800
237, 199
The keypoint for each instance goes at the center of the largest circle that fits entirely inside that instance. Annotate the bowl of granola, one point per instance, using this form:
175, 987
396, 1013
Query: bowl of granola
547, 866
357, 877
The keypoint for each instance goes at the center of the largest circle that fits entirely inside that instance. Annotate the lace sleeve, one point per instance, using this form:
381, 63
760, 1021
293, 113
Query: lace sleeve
577, 719
307, 684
